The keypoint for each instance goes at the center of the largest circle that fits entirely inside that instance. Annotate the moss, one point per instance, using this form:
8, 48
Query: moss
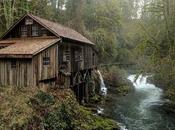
55, 109
89, 121
95, 99
170, 105
123, 90
59, 119
14, 110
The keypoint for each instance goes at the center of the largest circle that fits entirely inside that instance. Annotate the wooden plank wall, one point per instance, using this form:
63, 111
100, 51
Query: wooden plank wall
30, 72
88, 57
15, 32
21, 75
65, 55
44, 72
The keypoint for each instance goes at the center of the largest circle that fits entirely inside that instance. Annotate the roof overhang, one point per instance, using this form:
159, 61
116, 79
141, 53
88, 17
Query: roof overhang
23, 50
18, 56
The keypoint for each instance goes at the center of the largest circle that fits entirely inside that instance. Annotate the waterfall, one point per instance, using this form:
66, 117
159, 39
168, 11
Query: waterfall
103, 88
103, 92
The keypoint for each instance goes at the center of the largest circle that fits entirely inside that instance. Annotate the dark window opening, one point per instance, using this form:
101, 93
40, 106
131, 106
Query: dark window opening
1, 47
43, 31
46, 60
35, 30
93, 58
13, 64
78, 55
23, 31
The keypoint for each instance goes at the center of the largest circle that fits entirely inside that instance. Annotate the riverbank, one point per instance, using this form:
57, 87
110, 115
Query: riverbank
141, 108
34, 108
168, 93
116, 80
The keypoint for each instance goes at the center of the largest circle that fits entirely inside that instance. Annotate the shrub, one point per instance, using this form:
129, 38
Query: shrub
45, 98
61, 119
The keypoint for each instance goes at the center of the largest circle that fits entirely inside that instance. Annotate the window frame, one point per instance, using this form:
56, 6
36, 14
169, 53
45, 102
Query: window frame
28, 21
46, 61
35, 30
43, 31
23, 31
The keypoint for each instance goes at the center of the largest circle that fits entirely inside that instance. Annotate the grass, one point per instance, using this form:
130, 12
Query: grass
14, 109
33, 108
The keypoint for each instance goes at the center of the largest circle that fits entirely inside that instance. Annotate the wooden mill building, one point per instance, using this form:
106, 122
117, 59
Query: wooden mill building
36, 51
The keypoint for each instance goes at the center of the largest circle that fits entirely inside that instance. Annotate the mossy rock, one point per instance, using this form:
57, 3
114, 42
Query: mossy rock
123, 90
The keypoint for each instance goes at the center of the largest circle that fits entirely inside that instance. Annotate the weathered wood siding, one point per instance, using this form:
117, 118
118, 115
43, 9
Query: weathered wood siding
29, 72
21, 75
88, 57
32, 72
45, 72
16, 31
81, 57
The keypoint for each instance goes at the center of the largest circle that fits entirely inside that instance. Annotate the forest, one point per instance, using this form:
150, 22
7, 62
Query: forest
125, 32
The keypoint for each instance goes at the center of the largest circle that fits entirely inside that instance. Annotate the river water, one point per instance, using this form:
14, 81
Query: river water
141, 108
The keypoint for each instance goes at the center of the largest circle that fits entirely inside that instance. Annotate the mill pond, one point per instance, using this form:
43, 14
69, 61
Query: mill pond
141, 108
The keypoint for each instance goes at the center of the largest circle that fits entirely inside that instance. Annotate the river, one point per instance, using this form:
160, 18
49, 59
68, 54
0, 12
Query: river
141, 108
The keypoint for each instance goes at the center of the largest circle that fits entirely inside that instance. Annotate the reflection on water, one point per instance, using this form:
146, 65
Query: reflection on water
140, 110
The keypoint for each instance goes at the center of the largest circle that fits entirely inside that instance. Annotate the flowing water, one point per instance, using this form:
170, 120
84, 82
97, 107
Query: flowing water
140, 109
103, 91
103, 88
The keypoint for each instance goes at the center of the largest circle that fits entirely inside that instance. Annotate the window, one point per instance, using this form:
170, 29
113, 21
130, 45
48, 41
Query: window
23, 31
13, 64
28, 21
1, 47
44, 31
35, 30
66, 54
78, 55
46, 60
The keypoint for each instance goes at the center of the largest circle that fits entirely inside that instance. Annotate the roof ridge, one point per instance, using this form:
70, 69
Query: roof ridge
54, 22
52, 26
56, 28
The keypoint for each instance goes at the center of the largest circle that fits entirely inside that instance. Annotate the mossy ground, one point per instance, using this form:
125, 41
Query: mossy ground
32, 108
170, 105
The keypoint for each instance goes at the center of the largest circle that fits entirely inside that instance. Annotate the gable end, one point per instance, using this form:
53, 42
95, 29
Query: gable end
27, 26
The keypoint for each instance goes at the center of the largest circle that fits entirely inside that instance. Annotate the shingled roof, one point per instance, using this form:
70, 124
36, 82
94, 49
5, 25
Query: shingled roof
25, 47
57, 29
61, 30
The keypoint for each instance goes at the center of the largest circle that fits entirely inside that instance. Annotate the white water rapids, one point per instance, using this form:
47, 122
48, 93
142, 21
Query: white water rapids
141, 108
152, 96
153, 93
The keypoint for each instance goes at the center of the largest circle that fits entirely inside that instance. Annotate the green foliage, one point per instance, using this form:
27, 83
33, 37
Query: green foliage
99, 20
60, 119
59, 113
85, 120
45, 98
155, 49
106, 44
